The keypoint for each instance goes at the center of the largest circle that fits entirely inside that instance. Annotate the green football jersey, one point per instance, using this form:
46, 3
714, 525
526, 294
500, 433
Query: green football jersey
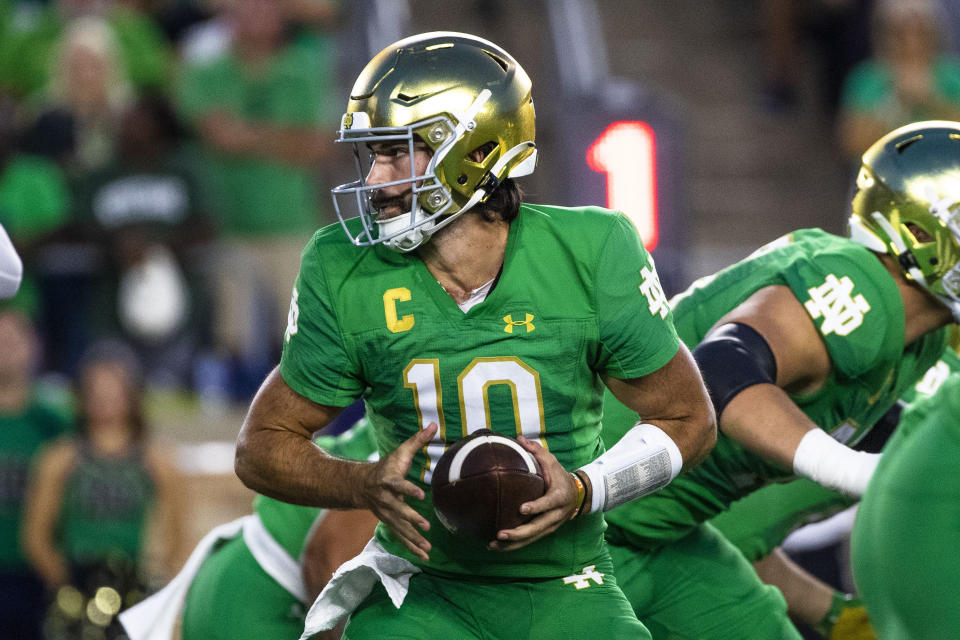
934, 377
291, 524
855, 305
759, 522
578, 297
903, 542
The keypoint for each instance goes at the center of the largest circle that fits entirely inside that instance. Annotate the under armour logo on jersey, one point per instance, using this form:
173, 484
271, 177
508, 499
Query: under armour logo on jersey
653, 292
293, 317
582, 580
842, 313
511, 323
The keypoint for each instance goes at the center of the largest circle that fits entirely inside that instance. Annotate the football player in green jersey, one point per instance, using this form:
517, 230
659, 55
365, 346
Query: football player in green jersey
804, 345
451, 306
903, 545
759, 522
260, 573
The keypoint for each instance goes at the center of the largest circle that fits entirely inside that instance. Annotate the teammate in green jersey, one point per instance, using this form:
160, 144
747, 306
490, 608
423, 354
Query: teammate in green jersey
759, 522
804, 346
260, 573
449, 307
903, 546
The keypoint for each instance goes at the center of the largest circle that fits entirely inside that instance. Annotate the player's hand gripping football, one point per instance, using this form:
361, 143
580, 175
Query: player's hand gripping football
549, 511
385, 488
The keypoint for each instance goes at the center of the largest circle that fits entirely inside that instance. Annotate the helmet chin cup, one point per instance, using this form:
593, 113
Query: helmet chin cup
400, 234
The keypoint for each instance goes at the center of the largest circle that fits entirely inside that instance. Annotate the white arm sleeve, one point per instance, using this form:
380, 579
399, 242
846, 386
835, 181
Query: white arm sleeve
11, 268
644, 460
833, 465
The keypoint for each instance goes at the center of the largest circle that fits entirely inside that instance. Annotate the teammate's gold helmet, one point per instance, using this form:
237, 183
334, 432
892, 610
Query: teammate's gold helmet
456, 93
907, 204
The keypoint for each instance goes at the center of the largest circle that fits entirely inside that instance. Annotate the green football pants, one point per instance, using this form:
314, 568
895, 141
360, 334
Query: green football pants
585, 605
701, 588
759, 522
232, 598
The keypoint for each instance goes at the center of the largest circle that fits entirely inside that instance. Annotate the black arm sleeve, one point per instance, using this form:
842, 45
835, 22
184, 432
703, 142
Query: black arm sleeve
731, 358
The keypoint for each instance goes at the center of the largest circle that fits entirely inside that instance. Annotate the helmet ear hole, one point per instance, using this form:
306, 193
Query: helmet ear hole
919, 234
480, 154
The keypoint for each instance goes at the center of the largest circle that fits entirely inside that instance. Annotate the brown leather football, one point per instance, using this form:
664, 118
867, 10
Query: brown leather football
480, 482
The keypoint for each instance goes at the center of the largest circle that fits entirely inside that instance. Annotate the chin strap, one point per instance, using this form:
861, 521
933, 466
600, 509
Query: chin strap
909, 265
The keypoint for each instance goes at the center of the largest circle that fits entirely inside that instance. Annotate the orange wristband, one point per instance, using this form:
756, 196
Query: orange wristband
581, 496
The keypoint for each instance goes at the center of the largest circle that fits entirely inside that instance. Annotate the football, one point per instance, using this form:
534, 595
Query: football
480, 482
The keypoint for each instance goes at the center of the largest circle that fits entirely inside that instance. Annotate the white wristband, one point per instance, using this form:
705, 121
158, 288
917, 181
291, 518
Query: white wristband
643, 460
833, 465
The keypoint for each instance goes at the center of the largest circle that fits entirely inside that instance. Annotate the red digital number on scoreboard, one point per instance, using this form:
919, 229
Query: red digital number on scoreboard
626, 152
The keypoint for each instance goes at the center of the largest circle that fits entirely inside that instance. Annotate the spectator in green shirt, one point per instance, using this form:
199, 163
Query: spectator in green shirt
911, 77
30, 33
258, 110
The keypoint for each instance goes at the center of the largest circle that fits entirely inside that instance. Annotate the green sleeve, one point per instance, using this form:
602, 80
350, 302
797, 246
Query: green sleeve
854, 305
315, 362
636, 329
943, 406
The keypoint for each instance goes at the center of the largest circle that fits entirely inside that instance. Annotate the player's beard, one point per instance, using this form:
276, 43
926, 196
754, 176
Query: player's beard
401, 201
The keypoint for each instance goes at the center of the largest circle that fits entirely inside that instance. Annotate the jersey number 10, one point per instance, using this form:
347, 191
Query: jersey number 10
422, 377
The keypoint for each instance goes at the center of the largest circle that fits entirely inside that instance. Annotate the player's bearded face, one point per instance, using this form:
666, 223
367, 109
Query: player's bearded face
392, 162
391, 205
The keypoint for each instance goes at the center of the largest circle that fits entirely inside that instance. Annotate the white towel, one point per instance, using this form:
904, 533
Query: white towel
274, 559
353, 581
156, 617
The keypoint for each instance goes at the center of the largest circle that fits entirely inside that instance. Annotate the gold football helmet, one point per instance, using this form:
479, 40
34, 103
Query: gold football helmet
907, 204
457, 94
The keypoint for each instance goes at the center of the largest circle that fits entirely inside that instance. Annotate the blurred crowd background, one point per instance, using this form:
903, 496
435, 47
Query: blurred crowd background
163, 163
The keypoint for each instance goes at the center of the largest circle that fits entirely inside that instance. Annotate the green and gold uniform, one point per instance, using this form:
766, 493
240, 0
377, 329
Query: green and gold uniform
904, 538
250, 604
760, 521
682, 577
577, 298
